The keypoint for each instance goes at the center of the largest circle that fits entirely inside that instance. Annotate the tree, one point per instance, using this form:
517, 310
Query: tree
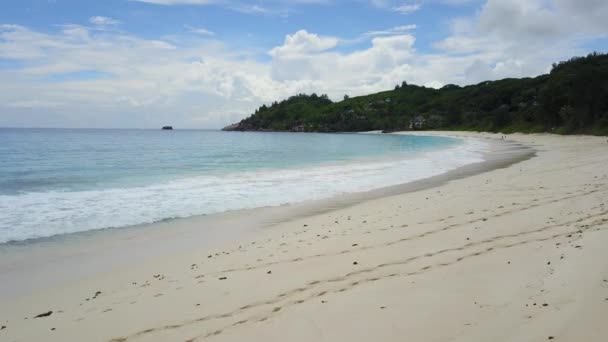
573, 97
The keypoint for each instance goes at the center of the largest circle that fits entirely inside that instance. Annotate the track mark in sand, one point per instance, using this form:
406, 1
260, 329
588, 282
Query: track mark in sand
410, 238
317, 283
412, 273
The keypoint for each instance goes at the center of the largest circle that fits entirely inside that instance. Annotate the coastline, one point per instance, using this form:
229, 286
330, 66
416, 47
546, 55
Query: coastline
382, 258
204, 183
25, 264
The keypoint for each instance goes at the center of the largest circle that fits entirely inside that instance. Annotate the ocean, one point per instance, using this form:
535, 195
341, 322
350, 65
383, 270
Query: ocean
61, 181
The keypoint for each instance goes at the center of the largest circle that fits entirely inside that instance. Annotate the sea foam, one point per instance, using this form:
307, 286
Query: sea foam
43, 214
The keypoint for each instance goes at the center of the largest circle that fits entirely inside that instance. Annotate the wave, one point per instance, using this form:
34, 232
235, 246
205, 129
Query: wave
45, 214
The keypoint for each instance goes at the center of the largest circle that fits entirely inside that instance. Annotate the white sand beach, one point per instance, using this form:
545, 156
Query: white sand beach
513, 254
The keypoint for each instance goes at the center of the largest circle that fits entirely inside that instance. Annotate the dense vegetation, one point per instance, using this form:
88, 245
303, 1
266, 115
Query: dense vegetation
572, 98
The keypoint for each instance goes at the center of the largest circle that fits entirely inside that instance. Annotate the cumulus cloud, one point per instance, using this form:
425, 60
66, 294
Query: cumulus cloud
388, 61
522, 37
85, 76
303, 42
148, 78
148, 82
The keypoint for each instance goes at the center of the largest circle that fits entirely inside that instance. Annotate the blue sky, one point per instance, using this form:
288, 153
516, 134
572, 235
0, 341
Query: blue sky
256, 25
206, 63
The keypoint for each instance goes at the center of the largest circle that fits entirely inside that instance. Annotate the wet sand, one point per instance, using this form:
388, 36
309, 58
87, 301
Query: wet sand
516, 253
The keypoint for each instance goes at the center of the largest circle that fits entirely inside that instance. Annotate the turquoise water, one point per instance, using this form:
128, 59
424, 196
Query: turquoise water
57, 181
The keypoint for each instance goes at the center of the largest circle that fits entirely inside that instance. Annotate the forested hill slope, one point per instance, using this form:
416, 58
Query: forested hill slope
572, 98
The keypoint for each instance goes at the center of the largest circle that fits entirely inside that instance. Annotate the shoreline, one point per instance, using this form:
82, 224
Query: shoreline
174, 234
481, 252
287, 179
516, 153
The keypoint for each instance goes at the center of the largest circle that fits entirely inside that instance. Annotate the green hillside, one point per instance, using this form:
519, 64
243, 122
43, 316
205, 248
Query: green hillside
572, 98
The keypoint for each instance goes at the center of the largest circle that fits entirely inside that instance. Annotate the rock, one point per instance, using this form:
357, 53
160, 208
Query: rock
223, 278
167, 128
233, 127
46, 314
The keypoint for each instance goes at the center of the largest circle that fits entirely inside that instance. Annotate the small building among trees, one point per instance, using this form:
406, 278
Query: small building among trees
418, 122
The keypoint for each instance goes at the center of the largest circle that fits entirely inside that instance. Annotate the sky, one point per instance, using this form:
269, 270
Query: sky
209, 63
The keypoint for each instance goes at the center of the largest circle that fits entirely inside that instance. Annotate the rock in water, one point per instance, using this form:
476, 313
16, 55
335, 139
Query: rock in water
233, 127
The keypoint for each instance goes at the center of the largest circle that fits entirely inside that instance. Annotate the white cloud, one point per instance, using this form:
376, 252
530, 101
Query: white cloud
195, 81
148, 81
178, 2
407, 8
434, 84
272, 7
303, 42
523, 37
381, 66
397, 6
200, 31
148, 78
103, 21
32, 104
392, 31
250, 9
457, 2
224, 2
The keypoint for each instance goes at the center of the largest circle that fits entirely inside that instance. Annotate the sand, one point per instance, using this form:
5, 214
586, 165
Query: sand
513, 254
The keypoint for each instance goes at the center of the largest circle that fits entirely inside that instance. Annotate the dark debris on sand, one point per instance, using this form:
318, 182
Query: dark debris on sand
46, 314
